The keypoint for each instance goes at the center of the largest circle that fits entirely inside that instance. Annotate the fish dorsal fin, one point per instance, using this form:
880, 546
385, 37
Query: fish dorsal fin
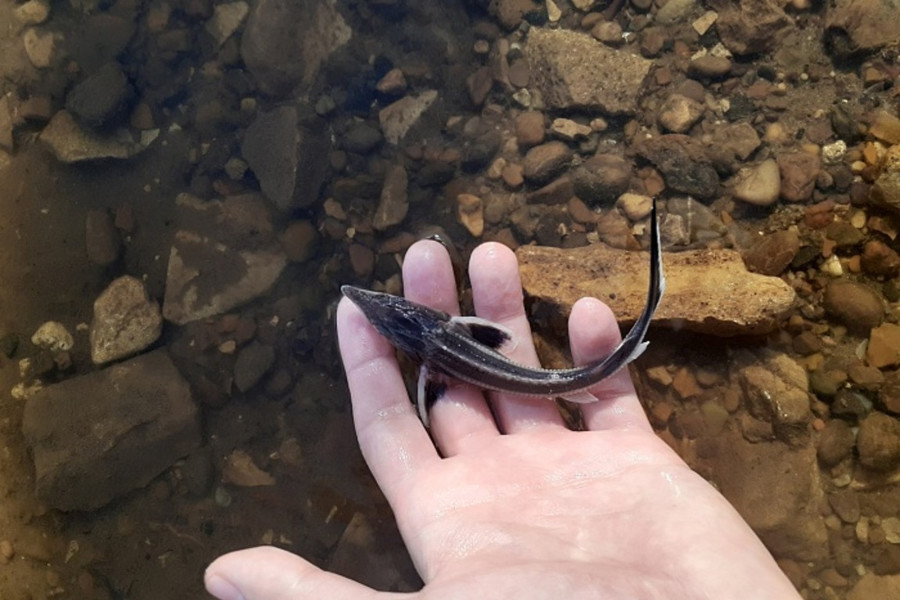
483, 331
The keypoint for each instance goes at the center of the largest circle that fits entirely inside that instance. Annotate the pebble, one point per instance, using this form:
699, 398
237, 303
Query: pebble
300, 241
771, 254
544, 162
878, 442
394, 202
759, 185
569, 130
889, 394
602, 178
879, 259
635, 206
608, 32
519, 73
125, 322
679, 113
53, 336
512, 176
845, 504
807, 343
530, 129
253, 361
884, 346
240, 470
798, 175
854, 304
850, 403
710, 66
470, 211
101, 238
362, 260
393, 82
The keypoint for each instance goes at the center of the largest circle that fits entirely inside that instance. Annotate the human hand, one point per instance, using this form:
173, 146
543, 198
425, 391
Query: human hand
517, 505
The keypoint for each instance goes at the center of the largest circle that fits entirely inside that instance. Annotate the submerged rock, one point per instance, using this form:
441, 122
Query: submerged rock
71, 143
98, 436
706, 290
125, 321
572, 70
226, 255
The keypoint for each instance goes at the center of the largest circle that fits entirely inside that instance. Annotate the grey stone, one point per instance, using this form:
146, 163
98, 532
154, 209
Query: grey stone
397, 118
101, 240
684, 164
226, 255
226, 19
750, 26
394, 203
98, 436
285, 42
72, 143
125, 321
101, 100
601, 179
289, 160
572, 70
253, 361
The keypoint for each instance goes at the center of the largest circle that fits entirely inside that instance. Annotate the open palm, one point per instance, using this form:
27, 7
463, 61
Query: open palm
511, 502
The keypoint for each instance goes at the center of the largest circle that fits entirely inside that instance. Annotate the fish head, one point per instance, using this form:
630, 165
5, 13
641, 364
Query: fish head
408, 326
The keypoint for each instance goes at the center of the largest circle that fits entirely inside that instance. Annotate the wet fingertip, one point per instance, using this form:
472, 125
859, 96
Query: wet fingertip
222, 588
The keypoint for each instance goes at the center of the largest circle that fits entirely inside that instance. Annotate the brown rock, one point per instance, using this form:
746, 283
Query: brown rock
101, 238
879, 259
679, 113
884, 346
362, 259
854, 304
707, 290
394, 202
750, 26
512, 176
798, 175
572, 71
835, 442
710, 66
543, 163
771, 254
878, 442
530, 130
300, 241
889, 394
683, 162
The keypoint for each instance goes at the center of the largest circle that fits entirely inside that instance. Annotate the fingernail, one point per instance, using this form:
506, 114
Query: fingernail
223, 589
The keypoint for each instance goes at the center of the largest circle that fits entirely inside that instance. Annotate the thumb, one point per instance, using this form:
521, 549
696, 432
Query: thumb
268, 573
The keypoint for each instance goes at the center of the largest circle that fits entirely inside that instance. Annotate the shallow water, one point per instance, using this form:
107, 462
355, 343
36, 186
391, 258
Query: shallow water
275, 461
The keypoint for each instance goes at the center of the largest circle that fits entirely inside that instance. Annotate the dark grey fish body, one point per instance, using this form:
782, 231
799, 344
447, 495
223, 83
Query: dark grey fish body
465, 348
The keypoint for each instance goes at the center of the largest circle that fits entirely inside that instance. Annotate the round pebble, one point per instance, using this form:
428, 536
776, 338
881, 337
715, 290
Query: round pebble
854, 304
759, 185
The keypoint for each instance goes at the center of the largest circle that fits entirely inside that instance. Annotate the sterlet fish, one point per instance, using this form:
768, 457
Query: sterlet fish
466, 348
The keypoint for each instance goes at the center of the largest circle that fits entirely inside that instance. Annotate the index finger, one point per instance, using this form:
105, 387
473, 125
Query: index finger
392, 440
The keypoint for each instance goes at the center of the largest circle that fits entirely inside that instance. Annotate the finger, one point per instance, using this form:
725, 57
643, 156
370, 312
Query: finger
268, 573
594, 334
461, 418
392, 440
497, 291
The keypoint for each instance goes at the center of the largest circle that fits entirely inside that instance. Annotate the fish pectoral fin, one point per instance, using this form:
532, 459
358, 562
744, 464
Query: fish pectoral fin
580, 397
483, 331
428, 390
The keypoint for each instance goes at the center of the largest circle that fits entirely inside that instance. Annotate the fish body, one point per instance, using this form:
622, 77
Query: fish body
467, 348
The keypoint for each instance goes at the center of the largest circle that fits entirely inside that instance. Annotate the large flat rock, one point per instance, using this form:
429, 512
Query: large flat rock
709, 291
98, 436
572, 70
224, 254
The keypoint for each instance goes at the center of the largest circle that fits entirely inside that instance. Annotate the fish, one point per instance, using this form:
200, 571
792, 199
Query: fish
467, 348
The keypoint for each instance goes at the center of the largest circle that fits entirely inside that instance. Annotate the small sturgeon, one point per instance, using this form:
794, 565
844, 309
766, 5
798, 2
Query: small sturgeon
465, 348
